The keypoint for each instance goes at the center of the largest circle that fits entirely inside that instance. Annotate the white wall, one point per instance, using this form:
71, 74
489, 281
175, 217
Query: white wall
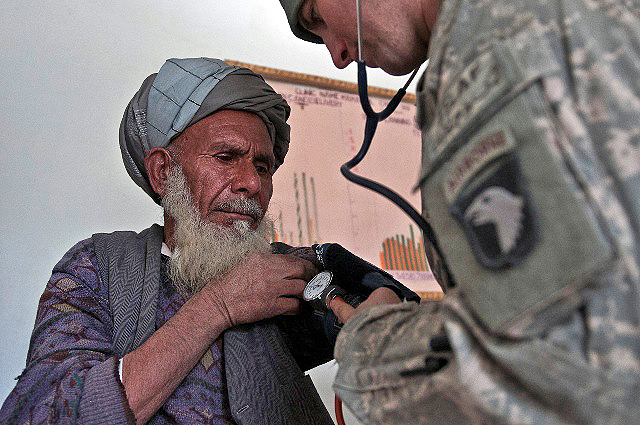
67, 70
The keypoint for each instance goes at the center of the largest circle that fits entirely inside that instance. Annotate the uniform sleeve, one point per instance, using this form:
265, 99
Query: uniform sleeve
71, 374
387, 364
543, 329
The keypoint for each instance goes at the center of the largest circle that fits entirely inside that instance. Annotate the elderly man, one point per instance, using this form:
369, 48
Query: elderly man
530, 178
203, 139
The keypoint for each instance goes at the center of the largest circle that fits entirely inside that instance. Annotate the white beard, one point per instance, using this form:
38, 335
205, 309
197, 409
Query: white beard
204, 251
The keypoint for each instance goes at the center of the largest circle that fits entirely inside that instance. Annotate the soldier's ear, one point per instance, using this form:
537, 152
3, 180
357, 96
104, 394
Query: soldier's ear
158, 164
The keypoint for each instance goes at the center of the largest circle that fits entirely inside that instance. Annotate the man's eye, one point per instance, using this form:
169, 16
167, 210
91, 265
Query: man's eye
309, 17
315, 19
262, 169
224, 157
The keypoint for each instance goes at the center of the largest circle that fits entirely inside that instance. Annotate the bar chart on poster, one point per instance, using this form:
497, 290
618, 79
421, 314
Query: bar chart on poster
313, 203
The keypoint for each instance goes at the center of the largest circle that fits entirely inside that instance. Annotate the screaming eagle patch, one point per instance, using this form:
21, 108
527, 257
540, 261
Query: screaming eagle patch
491, 203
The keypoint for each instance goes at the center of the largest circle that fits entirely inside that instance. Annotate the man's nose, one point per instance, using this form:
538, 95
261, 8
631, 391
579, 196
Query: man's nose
339, 53
247, 179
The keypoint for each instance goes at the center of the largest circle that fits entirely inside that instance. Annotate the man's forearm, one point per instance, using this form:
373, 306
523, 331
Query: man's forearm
152, 372
263, 286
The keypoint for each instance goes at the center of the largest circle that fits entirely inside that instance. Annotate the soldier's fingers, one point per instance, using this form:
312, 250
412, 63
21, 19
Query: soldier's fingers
382, 295
341, 309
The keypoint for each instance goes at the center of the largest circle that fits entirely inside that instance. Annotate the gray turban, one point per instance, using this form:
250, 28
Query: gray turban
185, 91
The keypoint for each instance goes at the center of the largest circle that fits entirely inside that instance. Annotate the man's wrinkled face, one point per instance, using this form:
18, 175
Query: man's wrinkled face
226, 156
202, 250
392, 39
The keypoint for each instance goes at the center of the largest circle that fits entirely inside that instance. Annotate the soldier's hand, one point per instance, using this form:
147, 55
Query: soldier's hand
379, 296
262, 286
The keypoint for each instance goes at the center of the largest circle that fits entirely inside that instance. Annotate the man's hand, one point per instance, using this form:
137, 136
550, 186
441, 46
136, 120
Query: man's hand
262, 286
379, 296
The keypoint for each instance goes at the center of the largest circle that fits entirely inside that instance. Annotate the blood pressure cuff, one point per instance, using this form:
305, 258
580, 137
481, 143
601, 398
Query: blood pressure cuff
356, 276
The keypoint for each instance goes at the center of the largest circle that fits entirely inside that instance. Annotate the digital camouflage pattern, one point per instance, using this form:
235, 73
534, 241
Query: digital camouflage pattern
530, 116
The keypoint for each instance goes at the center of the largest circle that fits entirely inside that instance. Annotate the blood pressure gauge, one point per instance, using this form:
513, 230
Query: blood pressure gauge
319, 290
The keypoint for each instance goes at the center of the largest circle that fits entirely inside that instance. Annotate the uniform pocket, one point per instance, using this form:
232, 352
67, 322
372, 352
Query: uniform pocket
513, 221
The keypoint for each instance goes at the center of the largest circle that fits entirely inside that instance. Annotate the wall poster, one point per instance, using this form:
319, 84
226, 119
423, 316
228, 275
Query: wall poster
313, 203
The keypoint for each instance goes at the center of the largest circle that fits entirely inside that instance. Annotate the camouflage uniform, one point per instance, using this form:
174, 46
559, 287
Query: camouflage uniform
530, 117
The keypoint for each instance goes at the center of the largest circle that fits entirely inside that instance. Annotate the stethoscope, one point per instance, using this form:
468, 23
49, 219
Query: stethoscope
373, 118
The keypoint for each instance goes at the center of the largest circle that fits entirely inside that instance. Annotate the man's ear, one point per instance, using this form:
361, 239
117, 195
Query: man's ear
158, 164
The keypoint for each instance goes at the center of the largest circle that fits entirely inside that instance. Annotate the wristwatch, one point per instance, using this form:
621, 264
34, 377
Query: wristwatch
319, 291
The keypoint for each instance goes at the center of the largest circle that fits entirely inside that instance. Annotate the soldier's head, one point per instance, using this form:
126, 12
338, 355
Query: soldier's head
395, 33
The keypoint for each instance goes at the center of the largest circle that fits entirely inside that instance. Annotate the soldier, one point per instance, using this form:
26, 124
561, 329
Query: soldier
530, 119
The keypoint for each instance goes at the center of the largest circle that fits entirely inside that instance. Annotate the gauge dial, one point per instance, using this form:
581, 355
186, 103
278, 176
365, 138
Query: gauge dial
314, 288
